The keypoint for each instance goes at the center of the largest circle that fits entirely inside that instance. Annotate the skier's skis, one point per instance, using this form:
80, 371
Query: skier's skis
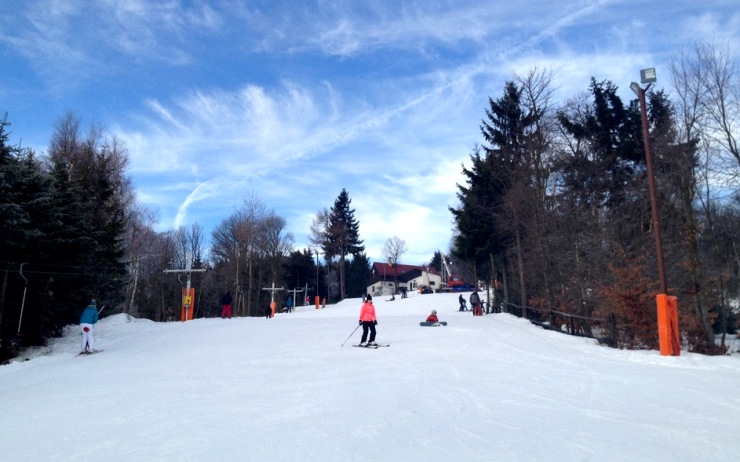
88, 352
372, 346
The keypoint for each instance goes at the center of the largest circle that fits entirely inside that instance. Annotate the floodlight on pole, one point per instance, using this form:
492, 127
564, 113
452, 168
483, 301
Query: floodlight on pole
648, 75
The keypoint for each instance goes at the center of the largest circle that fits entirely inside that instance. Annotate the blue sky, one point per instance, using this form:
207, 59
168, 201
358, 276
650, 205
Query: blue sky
291, 101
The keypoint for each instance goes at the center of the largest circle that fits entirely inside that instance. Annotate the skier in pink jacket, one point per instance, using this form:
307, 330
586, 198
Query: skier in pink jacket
368, 321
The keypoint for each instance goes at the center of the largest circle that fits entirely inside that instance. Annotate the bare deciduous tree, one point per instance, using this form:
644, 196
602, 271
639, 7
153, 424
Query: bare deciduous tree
393, 248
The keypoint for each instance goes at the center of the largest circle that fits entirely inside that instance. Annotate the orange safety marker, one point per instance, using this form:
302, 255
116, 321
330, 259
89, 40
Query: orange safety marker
188, 299
668, 333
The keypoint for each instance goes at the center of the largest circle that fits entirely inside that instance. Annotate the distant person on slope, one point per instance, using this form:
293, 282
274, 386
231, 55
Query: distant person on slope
475, 303
368, 321
226, 303
433, 317
463, 305
87, 319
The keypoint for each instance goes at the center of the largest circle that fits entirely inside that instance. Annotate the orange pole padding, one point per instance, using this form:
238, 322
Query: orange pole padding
188, 300
191, 311
675, 332
273, 304
668, 333
317, 301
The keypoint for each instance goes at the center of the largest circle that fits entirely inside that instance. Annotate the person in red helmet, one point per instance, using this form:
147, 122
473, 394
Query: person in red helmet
368, 321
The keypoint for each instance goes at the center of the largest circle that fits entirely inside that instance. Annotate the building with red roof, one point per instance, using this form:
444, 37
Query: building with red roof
408, 277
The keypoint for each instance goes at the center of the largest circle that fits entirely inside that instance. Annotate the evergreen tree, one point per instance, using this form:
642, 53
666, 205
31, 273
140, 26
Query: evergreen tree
92, 190
602, 204
36, 198
436, 261
359, 273
300, 269
342, 238
491, 216
14, 238
609, 134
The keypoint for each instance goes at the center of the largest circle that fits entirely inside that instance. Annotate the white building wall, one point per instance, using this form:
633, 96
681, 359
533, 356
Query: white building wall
425, 279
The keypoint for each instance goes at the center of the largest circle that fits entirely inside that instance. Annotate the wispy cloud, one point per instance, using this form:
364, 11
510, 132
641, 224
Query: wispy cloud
297, 100
72, 37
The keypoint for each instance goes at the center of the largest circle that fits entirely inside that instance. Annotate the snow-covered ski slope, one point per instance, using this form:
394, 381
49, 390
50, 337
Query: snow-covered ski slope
491, 388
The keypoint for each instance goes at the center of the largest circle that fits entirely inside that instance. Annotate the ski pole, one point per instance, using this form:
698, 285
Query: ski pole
350, 335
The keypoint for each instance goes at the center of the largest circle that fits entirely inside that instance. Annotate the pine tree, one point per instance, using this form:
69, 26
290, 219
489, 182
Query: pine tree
487, 219
358, 275
436, 261
610, 133
93, 190
342, 236
299, 269
13, 219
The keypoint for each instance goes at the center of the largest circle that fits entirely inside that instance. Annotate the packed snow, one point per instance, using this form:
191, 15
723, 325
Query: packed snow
490, 388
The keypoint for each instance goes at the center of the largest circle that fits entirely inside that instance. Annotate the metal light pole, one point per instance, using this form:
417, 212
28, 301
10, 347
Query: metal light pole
668, 332
640, 92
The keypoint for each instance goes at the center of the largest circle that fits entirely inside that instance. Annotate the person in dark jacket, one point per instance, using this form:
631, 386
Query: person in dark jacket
463, 305
88, 318
475, 303
226, 302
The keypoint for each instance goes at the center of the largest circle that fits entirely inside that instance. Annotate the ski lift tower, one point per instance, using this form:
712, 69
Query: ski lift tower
272, 290
295, 293
188, 293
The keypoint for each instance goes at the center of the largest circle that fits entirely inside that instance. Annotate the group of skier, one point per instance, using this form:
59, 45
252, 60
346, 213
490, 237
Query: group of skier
368, 318
475, 303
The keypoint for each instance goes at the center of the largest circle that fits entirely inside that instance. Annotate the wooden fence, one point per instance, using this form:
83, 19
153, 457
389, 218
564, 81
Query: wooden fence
604, 330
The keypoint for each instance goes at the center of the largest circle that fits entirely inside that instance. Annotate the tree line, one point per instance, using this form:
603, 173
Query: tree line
72, 231
555, 212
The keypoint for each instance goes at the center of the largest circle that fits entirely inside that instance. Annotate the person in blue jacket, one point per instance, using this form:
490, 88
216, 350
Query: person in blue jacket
289, 305
88, 318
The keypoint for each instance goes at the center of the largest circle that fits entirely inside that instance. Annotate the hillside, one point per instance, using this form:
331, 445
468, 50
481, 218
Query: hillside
283, 389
